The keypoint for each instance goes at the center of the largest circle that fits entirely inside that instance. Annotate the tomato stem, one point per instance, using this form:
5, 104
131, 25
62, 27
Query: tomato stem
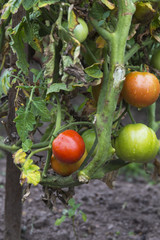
47, 163
59, 117
111, 87
130, 114
56, 182
37, 151
8, 148
30, 98
152, 123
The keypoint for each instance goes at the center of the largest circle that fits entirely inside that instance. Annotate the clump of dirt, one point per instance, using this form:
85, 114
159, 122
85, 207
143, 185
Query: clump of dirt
131, 211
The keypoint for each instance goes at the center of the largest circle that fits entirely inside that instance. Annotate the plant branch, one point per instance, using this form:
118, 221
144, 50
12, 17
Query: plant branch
47, 163
37, 151
101, 31
8, 148
136, 48
56, 182
152, 123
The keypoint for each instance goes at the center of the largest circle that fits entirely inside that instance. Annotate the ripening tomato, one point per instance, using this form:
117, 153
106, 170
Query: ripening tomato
89, 137
68, 146
65, 169
155, 60
136, 143
81, 30
140, 89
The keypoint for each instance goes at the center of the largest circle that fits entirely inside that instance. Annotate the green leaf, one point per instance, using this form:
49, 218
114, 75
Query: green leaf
27, 145
39, 108
17, 45
154, 28
31, 35
56, 87
10, 7
94, 71
71, 202
97, 11
24, 123
84, 216
43, 3
60, 220
5, 81
31, 172
27, 4
71, 212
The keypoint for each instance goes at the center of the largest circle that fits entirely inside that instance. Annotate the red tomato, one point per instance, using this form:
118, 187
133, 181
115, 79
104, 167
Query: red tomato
140, 89
65, 169
68, 146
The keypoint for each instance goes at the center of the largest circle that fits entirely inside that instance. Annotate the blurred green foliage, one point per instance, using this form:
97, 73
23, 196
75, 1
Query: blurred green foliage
137, 170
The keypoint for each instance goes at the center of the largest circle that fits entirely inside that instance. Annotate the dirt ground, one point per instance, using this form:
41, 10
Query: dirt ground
131, 211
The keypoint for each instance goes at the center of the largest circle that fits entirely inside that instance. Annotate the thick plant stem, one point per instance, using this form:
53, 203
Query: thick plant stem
112, 84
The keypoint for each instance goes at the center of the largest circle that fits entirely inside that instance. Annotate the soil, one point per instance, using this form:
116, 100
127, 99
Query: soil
130, 211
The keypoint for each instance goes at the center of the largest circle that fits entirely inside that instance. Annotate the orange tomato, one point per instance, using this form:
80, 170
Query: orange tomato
65, 169
140, 89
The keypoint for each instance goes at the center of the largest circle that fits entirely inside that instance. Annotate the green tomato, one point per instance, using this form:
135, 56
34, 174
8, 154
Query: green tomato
155, 60
89, 137
136, 143
81, 30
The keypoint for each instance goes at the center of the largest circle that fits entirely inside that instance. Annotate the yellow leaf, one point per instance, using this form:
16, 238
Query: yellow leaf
19, 156
110, 5
31, 173
32, 177
72, 19
100, 42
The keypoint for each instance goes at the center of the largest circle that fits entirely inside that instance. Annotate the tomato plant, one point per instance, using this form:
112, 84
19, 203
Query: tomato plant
155, 60
136, 143
65, 169
89, 137
81, 30
50, 63
68, 146
140, 89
